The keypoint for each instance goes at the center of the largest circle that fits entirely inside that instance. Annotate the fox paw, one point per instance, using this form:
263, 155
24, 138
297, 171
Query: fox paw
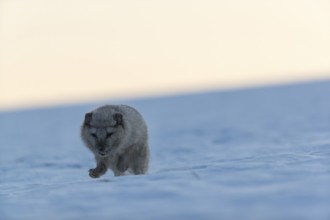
94, 173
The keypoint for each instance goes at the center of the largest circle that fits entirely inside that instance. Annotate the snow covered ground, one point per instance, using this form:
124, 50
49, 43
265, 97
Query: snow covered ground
260, 153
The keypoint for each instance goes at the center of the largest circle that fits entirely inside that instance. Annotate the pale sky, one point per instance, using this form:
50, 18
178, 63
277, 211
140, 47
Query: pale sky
66, 51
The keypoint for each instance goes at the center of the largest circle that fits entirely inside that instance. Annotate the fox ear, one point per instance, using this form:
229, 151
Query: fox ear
118, 118
88, 118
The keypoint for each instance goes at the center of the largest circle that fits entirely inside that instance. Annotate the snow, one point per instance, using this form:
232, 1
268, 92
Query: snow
261, 153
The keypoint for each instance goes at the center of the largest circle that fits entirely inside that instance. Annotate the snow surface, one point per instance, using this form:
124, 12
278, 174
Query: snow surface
260, 153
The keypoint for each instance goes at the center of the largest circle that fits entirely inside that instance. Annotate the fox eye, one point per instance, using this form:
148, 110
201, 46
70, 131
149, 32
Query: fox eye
94, 135
109, 134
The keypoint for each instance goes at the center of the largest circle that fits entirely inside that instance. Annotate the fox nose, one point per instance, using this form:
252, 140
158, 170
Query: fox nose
101, 148
100, 145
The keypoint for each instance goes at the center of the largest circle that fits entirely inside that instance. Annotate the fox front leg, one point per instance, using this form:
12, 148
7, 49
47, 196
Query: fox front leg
100, 170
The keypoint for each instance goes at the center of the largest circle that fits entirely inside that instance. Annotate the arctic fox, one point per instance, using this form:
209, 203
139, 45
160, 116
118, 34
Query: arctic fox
117, 135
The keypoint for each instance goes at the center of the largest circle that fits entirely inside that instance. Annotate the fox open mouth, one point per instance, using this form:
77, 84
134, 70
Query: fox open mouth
102, 153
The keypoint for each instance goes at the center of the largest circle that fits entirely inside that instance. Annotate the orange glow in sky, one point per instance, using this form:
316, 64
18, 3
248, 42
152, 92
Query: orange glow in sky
78, 50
